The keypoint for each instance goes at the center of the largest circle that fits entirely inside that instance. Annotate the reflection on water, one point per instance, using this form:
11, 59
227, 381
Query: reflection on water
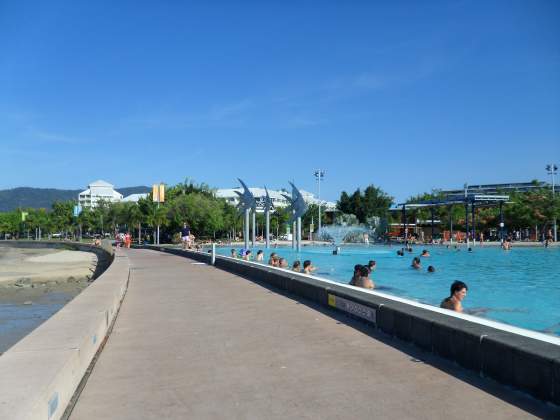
18, 320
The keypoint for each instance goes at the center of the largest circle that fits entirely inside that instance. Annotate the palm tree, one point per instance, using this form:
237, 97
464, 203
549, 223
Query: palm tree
134, 217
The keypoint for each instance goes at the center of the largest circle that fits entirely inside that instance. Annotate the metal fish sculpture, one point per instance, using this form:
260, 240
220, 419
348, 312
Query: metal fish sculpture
268, 206
298, 207
246, 199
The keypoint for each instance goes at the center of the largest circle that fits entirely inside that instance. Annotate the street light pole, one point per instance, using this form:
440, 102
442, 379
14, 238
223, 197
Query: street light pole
552, 170
319, 174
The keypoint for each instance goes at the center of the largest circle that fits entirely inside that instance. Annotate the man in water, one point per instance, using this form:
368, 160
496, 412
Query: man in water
356, 276
458, 293
364, 280
233, 253
431, 269
425, 253
416, 263
283, 263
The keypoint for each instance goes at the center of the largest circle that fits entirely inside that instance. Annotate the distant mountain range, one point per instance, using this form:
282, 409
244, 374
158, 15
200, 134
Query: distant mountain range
44, 197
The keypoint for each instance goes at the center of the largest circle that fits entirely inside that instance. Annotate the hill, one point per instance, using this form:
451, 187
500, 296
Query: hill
44, 197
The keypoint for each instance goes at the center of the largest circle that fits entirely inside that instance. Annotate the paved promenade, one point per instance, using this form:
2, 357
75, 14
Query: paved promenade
195, 342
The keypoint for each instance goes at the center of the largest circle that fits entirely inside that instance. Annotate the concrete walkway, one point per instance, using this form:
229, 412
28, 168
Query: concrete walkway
195, 342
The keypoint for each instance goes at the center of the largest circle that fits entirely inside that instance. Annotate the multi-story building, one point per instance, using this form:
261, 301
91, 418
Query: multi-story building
98, 191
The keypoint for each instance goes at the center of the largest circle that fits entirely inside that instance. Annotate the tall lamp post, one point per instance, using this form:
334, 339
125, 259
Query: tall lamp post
319, 174
552, 170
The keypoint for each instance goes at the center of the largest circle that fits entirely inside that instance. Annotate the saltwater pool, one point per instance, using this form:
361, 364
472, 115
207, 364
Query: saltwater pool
520, 287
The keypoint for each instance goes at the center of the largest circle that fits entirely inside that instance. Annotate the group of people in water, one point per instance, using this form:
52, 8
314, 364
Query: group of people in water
362, 276
275, 261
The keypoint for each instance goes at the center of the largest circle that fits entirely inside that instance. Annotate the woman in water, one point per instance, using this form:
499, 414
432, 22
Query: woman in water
458, 293
416, 263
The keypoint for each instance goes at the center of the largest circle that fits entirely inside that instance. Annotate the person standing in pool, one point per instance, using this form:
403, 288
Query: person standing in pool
308, 268
364, 280
458, 293
356, 276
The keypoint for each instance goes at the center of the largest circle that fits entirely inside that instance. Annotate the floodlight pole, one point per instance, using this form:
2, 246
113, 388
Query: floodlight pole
319, 174
467, 214
501, 221
473, 223
467, 222
552, 168
451, 224
432, 214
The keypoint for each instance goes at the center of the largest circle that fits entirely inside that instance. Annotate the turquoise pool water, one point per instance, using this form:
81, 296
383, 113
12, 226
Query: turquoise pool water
520, 287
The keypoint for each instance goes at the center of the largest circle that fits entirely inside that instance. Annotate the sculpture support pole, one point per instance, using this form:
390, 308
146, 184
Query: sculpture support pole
246, 229
267, 216
294, 234
253, 236
298, 234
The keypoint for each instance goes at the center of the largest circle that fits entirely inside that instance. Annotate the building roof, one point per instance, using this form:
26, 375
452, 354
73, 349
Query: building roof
134, 197
100, 183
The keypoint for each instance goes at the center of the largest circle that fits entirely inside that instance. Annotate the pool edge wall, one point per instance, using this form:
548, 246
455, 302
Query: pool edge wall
525, 363
40, 373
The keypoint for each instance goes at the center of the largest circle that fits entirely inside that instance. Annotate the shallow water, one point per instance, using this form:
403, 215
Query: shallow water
520, 287
17, 319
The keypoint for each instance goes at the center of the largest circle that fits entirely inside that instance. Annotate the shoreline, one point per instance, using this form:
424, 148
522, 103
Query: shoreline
37, 283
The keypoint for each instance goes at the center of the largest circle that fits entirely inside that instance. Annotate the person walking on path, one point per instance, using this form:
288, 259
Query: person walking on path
185, 236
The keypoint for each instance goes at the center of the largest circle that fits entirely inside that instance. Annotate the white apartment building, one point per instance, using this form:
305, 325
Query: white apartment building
276, 196
98, 191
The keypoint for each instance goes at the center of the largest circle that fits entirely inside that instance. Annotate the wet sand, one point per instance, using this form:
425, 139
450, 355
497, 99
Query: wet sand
35, 284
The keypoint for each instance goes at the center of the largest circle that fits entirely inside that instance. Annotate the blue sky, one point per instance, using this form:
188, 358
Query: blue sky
406, 95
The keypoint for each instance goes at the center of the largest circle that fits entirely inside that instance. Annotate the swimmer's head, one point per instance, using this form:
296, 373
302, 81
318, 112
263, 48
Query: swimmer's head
431, 269
459, 290
364, 271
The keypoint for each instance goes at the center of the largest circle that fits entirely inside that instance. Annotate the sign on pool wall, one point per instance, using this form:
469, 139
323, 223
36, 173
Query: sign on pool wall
353, 308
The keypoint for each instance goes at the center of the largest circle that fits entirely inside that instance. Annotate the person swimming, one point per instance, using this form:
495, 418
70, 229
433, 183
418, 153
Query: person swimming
283, 263
425, 253
233, 253
364, 280
356, 275
296, 266
273, 259
372, 265
260, 255
431, 269
416, 263
308, 268
458, 292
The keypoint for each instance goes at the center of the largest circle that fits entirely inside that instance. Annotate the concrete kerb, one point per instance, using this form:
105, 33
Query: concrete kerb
523, 359
41, 372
